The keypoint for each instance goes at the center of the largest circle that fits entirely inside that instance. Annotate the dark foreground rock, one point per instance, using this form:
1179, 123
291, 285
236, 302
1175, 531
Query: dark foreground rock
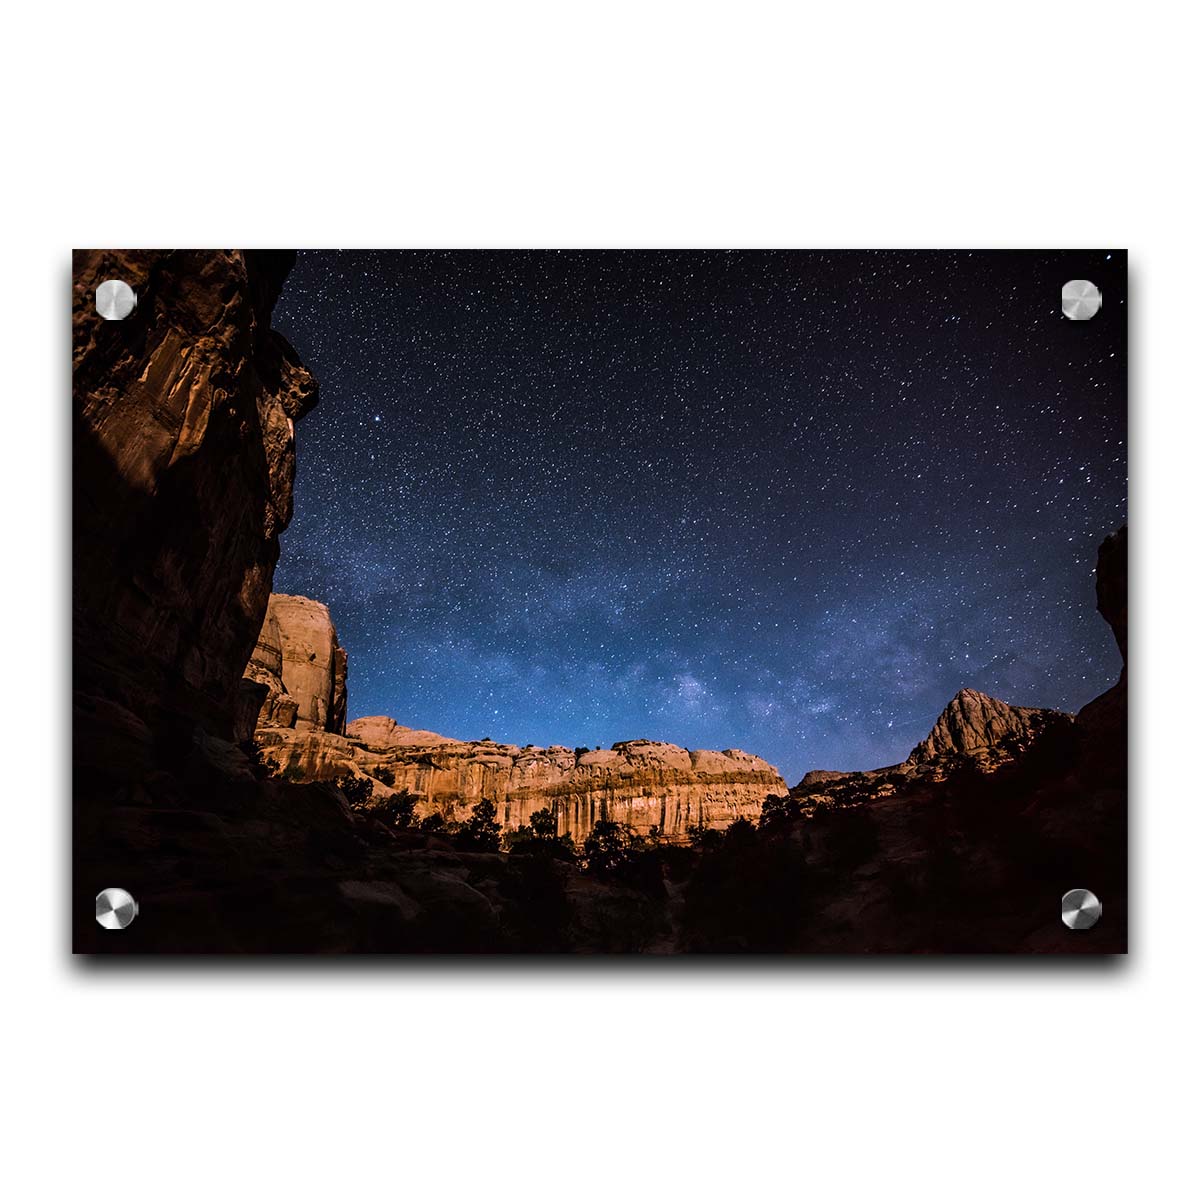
184, 458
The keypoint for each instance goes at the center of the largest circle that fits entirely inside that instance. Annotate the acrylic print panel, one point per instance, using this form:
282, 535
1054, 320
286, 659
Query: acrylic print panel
595, 602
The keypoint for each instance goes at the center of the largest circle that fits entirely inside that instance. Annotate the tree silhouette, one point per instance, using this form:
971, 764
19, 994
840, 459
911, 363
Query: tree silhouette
779, 813
481, 831
610, 845
540, 836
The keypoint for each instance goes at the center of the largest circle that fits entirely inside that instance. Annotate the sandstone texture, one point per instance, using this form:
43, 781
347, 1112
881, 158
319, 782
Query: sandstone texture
298, 661
636, 783
383, 731
184, 457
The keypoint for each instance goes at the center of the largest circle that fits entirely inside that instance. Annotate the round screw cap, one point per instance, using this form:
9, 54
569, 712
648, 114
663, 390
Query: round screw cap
115, 300
115, 908
1081, 909
1081, 299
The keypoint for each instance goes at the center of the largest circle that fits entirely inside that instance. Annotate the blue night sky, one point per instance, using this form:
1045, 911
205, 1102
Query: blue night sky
785, 501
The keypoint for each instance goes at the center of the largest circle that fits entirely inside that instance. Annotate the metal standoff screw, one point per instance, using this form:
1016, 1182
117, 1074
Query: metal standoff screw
1080, 909
115, 908
1081, 299
115, 300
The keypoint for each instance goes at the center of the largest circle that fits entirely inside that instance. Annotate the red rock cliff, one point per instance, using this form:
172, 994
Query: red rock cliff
638, 783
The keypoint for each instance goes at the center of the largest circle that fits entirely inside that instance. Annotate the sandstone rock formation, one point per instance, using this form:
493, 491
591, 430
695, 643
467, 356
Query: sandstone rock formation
974, 726
299, 663
183, 466
383, 731
637, 783
973, 723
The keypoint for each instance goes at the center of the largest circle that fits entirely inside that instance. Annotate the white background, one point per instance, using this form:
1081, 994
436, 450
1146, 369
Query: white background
623, 124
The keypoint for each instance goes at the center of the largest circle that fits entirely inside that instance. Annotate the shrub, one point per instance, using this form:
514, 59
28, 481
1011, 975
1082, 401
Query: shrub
779, 813
540, 836
611, 845
481, 831
357, 790
702, 838
741, 833
396, 811
606, 845
623, 856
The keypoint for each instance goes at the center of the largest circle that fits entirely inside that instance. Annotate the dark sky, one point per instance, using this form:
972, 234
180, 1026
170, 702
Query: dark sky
785, 501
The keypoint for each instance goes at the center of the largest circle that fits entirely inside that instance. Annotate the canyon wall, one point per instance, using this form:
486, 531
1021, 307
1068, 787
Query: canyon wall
637, 783
184, 458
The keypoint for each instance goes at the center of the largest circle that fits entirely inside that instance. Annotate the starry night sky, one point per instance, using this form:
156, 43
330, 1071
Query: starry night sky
785, 501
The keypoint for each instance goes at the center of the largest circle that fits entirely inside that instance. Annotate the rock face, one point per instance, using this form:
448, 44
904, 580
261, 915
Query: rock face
973, 723
298, 661
638, 783
183, 465
384, 732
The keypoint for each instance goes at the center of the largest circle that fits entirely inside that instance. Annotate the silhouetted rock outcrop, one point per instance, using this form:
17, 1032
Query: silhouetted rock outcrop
1104, 722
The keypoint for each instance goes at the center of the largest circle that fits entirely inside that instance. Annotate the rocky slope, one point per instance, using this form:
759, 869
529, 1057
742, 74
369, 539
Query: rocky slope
641, 784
